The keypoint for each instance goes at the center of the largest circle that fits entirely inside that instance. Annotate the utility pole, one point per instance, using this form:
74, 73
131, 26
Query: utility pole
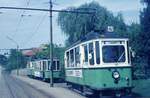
17, 60
51, 44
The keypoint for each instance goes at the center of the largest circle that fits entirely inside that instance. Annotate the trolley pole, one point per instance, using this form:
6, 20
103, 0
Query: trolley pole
51, 44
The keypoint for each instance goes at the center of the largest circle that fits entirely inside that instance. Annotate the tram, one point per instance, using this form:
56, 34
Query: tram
100, 63
41, 69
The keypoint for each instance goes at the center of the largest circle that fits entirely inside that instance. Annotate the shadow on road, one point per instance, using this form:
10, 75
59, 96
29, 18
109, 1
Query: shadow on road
134, 95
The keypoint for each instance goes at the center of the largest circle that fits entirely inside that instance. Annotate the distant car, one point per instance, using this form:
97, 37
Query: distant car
100, 63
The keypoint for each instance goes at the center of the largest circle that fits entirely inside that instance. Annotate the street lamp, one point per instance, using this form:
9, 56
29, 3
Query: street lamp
17, 51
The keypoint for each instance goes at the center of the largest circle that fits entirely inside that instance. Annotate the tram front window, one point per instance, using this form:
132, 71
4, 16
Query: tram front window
113, 54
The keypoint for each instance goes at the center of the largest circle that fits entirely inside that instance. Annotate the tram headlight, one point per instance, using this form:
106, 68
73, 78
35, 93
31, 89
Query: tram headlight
116, 75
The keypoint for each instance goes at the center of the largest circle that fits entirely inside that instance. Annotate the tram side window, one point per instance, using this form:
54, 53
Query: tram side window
97, 52
67, 59
85, 53
58, 65
129, 59
91, 54
37, 66
54, 65
40, 65
77, 56
34, 64
44, 65
72, 58
49, 65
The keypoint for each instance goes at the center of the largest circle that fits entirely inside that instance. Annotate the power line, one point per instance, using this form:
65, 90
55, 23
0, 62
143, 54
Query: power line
47, 10
76, 11
36, 30
4, 49
20, 20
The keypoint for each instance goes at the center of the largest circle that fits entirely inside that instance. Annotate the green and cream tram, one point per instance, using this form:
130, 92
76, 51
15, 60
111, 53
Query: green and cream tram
41, 69
101, 63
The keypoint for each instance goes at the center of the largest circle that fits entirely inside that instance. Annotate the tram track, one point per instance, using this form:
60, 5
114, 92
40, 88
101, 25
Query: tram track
9, 88
28, 95
28, 91
19, 89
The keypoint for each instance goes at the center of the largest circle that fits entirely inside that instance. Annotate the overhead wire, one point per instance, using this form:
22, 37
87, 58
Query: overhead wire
20, 20
35, 31
29, 38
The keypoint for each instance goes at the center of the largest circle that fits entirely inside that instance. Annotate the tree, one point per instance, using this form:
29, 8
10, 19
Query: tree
58, 52
133, 32
144, 36
77, 25
3, 60
16, 59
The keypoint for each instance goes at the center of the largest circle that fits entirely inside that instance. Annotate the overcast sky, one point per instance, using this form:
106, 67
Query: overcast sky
33, 28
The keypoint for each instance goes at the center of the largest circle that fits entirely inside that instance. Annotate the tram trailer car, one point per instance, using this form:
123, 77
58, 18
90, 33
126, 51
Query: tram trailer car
100, 64
56, 70
35, 69
40, 69
30, 69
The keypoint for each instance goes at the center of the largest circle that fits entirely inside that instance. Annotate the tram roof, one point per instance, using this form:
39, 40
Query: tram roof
54, 58
96, 35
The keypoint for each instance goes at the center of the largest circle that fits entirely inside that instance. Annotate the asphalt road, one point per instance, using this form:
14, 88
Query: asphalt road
11, 87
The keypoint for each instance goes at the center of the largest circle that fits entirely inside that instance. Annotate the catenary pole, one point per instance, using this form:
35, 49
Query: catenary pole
51, 44
18, 60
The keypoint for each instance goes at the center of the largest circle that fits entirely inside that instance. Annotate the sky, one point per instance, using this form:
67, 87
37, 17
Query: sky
31, 28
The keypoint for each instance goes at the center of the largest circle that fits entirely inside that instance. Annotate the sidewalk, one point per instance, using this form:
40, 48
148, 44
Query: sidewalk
58, 91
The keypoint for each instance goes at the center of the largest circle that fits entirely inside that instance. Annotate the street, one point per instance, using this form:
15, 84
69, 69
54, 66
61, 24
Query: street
11, 87
24, 87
